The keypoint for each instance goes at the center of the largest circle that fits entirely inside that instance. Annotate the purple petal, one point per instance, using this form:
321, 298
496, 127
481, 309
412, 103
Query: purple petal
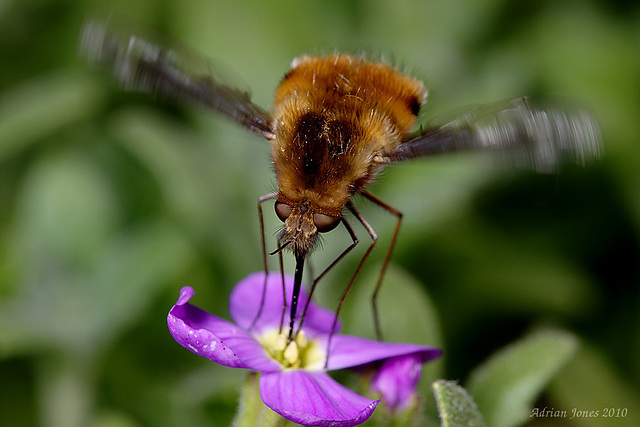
349, 351
313, 399
397, 380
215, 339
244, 305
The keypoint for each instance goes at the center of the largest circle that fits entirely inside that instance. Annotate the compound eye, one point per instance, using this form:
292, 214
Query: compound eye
324, 222
283, 210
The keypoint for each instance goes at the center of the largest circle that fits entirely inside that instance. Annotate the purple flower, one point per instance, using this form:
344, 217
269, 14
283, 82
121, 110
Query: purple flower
293, 379
396, 380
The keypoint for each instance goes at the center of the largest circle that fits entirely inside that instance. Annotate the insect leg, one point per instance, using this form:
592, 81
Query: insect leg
354, 242
261, 200
387, 258
284, 290
374, 238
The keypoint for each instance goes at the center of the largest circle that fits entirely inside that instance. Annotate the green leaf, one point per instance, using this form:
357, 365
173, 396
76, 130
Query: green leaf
507, 384
455, 405
406, 311
592, 391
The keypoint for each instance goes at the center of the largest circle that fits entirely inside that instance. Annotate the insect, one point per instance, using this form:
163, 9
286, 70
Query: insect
336, 122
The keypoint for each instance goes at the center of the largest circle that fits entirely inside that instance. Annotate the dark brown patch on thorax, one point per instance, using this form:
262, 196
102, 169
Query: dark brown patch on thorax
319, 144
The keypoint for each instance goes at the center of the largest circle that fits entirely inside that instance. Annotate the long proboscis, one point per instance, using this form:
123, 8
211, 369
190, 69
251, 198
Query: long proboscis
297, 285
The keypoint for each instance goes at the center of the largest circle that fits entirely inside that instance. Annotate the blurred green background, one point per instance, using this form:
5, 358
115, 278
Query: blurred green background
110, 202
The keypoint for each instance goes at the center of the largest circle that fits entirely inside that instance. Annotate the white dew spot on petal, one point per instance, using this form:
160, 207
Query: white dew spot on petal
192, 348
210, 347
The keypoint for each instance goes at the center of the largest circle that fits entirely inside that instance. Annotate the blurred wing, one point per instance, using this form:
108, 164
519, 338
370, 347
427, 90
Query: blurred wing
537, 137
145, 66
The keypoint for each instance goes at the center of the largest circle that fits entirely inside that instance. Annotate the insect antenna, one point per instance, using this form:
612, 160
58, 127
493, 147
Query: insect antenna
282, 247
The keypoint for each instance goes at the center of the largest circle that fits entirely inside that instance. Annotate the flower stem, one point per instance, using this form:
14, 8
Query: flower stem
251, 411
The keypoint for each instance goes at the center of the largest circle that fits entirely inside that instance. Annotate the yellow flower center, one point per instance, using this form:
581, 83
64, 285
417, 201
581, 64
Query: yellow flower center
299, 353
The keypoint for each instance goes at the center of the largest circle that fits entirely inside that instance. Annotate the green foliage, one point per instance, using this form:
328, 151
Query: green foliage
506, 386
456, 407
591, 383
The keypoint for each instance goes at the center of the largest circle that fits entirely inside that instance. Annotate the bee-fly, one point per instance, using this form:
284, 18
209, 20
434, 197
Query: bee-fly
336, 121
